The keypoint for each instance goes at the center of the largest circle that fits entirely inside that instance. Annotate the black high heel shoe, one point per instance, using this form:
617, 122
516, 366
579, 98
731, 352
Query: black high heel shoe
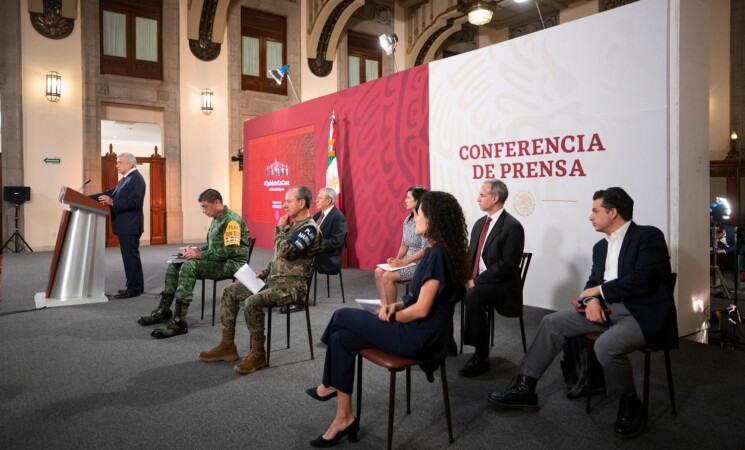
351, 430
313, 392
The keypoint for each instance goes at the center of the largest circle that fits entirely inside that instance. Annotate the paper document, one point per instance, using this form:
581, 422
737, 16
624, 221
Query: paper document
370, 305
390, 268
176, 260
247, 276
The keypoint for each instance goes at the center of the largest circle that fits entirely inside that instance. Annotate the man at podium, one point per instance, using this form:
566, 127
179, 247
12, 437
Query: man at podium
127, 220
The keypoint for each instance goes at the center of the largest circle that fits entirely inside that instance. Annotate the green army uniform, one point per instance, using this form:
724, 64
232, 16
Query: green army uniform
286, 279
225, 252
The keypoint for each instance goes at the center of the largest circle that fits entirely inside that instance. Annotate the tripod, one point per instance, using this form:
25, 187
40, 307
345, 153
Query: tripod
717, 279
16, 236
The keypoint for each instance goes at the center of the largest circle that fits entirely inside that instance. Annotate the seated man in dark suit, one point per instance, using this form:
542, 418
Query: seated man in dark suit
627, 298
333, 227
496, 249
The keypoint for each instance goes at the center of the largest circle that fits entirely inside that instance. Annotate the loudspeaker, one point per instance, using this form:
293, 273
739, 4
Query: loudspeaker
17, 194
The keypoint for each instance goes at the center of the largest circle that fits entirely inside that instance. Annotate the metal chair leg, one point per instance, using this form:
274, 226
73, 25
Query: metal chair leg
315, 286
328, 287
670, 388
214, 297
446, 398
359, 387
522, 333
462, 324
391, 399
202, 299
288, 326
645, 405
307, 321
341, 283
268, 334
408, 390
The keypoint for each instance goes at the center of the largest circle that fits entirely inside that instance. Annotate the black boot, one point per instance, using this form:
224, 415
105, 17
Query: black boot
160, 314
629, 421
520, 394
176, 326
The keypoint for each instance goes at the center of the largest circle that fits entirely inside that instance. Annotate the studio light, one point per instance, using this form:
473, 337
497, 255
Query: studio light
54, 86
278, 75
480, 13
207, 101
720, 209
388, 43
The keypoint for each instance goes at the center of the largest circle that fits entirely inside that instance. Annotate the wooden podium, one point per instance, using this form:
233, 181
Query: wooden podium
77, 274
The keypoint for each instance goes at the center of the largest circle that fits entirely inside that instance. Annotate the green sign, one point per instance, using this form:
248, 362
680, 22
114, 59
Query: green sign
49, 160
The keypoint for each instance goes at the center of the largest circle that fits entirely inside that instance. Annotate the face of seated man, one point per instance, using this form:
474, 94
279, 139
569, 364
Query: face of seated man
322, 201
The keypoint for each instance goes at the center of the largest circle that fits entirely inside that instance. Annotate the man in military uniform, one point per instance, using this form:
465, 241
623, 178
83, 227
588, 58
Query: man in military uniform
226, 251
297, 239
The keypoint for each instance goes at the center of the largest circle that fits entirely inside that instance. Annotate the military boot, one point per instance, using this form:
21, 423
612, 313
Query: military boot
176, 325
255, 360
160, 314
225, 350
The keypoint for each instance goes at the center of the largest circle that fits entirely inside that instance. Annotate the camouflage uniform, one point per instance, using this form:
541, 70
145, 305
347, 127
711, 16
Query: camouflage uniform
286, 280
226, 251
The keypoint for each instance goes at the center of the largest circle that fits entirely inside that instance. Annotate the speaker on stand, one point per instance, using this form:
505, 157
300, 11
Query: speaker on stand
17, 195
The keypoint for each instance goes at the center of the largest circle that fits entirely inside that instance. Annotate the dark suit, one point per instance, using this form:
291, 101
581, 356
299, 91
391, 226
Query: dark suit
643, 269
499, 284
642, 310
128, 222
334, 231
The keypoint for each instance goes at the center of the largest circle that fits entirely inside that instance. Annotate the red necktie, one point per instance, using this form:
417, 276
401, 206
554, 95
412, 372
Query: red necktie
482, 238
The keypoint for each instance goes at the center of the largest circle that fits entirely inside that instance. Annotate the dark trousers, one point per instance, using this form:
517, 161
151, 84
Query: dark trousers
349, 331
129, 244
478, 300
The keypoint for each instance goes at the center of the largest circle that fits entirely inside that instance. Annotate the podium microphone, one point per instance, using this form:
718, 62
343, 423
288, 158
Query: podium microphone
83, 186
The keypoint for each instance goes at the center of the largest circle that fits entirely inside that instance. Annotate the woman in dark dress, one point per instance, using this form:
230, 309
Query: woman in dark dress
417, 327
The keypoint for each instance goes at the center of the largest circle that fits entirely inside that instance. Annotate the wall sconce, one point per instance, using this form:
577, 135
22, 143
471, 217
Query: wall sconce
733, 154
480, 13
54, 86
207, 101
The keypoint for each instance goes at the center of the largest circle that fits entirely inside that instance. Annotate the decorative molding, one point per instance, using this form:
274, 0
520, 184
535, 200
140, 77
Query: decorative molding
319, 65
431, 40
204, 48
163, 96
375, 12
605, 5
50, 23
103, 89
533, 26
468, 33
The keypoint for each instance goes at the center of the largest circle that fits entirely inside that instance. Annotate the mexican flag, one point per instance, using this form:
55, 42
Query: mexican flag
332, 169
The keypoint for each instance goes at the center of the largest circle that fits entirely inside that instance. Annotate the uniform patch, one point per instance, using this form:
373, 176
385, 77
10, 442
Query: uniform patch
232, 234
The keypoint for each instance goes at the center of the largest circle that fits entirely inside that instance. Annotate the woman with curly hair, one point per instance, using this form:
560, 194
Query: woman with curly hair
418, 327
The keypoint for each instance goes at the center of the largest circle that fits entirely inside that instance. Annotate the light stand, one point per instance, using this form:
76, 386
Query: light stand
16, 236
733, 311
278, 75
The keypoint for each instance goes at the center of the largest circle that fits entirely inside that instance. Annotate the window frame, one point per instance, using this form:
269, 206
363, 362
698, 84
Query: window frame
265, 27
364, 46
131, 66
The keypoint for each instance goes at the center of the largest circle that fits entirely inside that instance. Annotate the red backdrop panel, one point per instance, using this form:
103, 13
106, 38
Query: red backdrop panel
382, 148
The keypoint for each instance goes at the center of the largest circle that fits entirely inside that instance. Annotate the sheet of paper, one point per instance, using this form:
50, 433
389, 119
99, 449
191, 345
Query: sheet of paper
247, 276
176, 260
370, 305
389, 268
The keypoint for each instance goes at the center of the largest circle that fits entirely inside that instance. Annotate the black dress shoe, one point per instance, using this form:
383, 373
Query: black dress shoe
313, 392
121, 291
127, 294
520, 394
629, 423
475, 366
351, 430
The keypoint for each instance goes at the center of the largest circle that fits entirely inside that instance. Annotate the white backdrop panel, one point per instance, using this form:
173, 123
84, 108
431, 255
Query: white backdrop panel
603, 76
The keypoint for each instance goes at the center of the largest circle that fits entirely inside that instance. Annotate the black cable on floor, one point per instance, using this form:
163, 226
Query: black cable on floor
7, 313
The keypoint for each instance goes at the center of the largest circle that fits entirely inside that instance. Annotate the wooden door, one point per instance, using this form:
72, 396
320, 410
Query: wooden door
156, 187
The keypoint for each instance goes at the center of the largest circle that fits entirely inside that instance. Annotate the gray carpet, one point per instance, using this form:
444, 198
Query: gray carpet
90, 377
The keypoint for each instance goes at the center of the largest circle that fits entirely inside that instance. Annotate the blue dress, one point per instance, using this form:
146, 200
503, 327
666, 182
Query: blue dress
352, 329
